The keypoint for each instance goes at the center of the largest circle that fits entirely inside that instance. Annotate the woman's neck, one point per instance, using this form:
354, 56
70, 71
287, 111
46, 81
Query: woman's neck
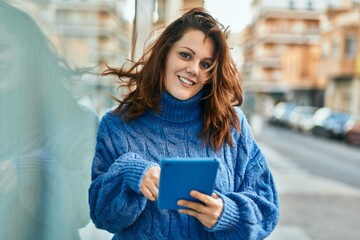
179, 111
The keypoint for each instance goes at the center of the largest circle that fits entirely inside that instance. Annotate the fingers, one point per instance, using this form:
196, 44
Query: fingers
203, 210
149, 186
207, 211
214, 195
206, 199
206, 216
148, 194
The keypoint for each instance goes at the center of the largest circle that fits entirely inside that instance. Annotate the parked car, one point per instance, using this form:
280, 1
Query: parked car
352, 130
330, 123
281, 112
318, 118
336, 123
301, 118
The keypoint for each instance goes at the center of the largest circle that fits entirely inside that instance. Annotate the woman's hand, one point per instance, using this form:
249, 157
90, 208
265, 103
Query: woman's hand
150, 183
207, 212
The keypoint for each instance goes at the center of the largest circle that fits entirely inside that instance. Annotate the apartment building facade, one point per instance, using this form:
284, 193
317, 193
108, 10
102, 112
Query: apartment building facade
92, 33
279, 29
340, 58
88, 34
98, 33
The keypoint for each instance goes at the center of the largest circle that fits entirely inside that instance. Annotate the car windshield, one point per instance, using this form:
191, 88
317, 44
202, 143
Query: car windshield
341, 117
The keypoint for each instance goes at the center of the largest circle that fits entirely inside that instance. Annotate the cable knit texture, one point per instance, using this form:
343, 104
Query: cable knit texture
125, 151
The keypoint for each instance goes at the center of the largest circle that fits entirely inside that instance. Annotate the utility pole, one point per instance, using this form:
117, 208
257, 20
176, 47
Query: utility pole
142, 27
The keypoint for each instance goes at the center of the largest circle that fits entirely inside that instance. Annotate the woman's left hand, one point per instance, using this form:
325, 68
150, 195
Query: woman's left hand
207, 211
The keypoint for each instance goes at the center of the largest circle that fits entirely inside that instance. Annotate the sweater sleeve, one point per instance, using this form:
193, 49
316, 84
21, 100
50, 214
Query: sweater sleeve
252, 210
114, 195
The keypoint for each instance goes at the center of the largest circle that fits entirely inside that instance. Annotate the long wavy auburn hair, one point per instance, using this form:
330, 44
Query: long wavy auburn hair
145, 79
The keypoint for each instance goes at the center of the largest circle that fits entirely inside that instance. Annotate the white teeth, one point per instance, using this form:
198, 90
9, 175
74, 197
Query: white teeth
186, 81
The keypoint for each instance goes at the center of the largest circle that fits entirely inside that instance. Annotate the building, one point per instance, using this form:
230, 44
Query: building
169, 10
88, 34
92, 33
299, 69
281, 28
340, 57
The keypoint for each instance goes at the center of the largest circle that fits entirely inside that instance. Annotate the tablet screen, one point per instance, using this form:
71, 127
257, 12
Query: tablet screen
179, 176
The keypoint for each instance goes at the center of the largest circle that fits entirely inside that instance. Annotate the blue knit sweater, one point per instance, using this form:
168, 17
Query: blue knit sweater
125, 151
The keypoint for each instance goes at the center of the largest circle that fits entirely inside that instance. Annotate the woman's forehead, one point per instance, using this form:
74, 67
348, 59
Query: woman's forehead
197, 41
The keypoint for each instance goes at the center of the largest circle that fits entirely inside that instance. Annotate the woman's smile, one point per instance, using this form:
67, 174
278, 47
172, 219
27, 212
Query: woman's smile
186, 82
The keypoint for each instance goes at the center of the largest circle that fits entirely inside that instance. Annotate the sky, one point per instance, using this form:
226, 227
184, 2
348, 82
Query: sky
233, 13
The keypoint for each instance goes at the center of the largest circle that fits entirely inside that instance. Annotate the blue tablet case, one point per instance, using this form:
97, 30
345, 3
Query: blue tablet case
179, 176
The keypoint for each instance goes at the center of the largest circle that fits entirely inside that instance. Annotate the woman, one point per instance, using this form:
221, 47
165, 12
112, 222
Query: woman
180, 104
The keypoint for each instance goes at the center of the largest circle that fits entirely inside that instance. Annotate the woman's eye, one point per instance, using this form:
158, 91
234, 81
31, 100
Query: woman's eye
205, 65
185, 55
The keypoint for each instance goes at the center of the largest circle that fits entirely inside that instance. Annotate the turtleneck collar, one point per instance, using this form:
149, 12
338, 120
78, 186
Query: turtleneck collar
179, 111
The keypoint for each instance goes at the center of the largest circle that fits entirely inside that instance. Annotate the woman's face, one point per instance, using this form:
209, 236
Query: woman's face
187, 64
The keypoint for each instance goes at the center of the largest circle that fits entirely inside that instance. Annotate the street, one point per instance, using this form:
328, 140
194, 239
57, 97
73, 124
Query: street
318, 181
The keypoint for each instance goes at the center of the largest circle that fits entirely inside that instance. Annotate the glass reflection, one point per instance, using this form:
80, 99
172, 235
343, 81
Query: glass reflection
46, 137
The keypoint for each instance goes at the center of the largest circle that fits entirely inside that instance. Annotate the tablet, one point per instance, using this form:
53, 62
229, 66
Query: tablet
178, 176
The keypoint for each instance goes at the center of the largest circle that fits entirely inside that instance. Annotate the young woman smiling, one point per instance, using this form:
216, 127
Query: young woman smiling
183, 101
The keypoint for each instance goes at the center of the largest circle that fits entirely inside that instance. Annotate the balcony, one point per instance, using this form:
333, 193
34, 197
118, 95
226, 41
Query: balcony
85, 31
268, 62
337, 67
268, 13
80, 5
288, 39
265, 86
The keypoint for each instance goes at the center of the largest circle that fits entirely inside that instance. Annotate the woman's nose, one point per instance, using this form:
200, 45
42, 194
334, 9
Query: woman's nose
193, 69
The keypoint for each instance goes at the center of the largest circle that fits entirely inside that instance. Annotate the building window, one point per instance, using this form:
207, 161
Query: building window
350, 47
291, 4
335, 49
325, 49
333, 4
310, 5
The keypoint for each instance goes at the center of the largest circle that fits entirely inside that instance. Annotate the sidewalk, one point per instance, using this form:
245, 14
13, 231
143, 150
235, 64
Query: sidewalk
298, 187
90, 232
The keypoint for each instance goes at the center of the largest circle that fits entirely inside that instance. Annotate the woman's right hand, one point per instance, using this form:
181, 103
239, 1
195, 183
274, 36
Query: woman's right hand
150, 183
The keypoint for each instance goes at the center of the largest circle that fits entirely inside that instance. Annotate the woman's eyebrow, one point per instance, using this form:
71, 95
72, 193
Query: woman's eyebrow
193, 52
